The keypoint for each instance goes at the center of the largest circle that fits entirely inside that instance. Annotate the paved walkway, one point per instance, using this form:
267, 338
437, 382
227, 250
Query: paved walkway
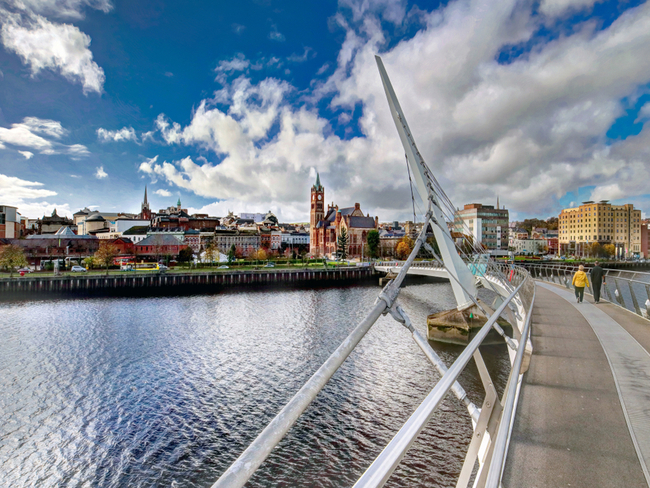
584, 412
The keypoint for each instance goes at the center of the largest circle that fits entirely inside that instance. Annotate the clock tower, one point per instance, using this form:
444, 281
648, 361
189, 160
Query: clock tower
317, 214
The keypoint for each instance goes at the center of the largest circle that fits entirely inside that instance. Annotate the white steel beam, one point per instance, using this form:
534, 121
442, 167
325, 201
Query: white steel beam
453, 262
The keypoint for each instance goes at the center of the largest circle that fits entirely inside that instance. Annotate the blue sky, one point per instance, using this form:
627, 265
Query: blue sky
236, 105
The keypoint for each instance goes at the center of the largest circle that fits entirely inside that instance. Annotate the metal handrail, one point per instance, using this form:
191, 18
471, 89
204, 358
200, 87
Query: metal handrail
497, 463
248, 462
384, 465
541, 271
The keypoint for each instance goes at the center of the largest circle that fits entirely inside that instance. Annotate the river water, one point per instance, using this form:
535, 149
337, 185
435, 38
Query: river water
169, 391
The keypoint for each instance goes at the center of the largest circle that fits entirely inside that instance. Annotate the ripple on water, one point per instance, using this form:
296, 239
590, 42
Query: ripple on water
169, 391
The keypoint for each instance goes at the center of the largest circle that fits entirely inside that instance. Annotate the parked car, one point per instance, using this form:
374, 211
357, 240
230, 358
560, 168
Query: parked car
78, 269
162, 267
24, 270
223, 266
269, 265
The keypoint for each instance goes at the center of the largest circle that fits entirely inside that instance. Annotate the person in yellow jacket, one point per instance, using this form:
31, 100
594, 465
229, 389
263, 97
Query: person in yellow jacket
579, 282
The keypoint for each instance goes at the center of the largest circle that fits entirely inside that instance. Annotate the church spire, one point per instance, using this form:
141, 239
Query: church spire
179, 202
498, 202
317, 180
145, 195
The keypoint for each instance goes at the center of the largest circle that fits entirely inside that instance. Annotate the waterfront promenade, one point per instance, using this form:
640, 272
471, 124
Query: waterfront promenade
143, 282
584, 412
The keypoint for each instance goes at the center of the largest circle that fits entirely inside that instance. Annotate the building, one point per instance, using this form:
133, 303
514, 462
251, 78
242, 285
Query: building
136, 233
65, 244
145, 211
50, 225
245, 241
645, 229
159, 245
10, 226
529, 246
601, 222
325, 228
485, 223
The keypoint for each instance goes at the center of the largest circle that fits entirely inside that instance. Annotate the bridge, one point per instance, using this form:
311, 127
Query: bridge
575, 410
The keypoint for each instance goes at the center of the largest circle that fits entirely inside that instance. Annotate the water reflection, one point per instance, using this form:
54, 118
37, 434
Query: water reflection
169, 391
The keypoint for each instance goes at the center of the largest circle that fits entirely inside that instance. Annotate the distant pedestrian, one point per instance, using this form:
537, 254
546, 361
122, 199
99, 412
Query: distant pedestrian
579, 282
597, 279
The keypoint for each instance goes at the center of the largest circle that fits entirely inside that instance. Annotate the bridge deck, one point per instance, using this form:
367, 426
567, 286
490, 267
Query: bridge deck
572, 428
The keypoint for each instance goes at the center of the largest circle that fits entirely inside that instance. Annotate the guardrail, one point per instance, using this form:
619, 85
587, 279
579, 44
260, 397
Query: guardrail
626, 289
492, 422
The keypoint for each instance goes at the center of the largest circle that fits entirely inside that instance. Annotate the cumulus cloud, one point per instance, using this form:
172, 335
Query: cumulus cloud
27, 154
19, 193
61, 8
42, 44
100, 173
555, 8
530, 130
163, 193
275, 35
41, 135
124, 134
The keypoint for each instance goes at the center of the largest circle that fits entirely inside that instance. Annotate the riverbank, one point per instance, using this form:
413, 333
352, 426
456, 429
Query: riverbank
150, 283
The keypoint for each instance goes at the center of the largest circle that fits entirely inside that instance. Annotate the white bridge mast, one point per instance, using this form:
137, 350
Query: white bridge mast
464, 282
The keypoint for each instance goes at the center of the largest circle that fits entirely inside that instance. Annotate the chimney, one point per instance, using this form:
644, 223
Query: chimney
357, 206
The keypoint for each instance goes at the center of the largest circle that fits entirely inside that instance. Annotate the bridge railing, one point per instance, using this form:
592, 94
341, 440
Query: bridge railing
492, 422
624, 288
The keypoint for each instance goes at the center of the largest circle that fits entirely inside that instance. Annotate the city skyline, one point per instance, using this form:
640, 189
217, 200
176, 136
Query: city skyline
544, 106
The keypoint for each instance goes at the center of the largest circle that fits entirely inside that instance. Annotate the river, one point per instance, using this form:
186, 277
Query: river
168, 391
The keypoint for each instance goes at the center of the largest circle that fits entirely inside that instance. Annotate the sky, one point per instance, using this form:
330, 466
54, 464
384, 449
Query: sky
237, 105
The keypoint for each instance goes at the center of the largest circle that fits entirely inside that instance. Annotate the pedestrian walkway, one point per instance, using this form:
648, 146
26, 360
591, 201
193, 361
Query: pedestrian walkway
584, 412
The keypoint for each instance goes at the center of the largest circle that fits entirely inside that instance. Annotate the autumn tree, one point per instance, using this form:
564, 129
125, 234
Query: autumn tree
210, 252
402, 250
105, 254
12, 257
610, 249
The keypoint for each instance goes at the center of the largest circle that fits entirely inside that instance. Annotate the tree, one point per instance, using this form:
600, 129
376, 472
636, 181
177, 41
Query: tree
12, 257
89, 262
232, 253
610, 249
373, 243
342, 244
105, 254
210, 252
402, 250
185, 255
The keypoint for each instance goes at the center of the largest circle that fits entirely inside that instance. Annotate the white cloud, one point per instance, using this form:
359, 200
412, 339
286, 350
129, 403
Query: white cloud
100, 173
40, 135
163, 193
531, 130
27, 154
555, 8
42, 44
301, 58
61, 8
275, 35
17, 192
124, 134
391, 10
644, 113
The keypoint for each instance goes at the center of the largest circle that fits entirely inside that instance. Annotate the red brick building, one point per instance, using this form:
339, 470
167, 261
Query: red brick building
325, 228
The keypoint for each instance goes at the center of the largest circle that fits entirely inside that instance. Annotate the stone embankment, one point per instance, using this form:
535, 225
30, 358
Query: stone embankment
194, 282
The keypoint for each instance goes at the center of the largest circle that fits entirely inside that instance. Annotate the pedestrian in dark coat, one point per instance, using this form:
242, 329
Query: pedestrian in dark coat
597, 280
